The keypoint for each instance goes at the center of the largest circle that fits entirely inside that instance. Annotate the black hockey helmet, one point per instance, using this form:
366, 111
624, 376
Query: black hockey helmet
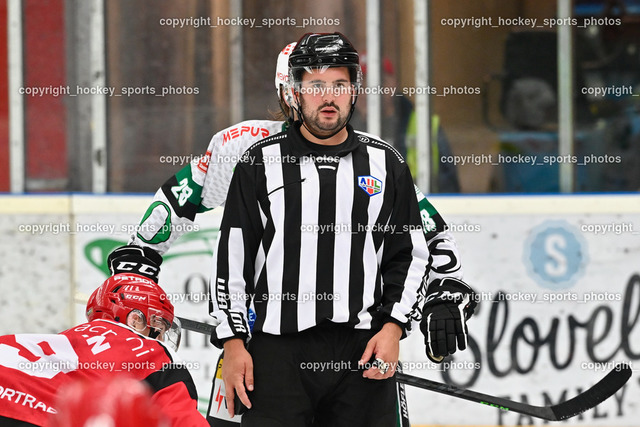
320, 51
317, 50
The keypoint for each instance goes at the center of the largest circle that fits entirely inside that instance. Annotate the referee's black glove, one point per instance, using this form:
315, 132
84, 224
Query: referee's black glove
450, 303
135, 259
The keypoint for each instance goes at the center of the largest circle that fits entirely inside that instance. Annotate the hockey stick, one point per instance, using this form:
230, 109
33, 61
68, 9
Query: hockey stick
586, 400
597, 394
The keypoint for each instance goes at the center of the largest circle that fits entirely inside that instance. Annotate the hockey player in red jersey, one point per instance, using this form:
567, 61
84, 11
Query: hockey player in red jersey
118, 401
130, 330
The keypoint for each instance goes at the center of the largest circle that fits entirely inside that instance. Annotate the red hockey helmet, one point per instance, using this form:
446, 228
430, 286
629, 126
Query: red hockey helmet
127, 294
115, 401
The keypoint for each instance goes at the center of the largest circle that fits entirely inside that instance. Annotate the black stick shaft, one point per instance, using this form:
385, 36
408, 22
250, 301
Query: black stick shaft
586, 400
604, 389
195, 326
473, 396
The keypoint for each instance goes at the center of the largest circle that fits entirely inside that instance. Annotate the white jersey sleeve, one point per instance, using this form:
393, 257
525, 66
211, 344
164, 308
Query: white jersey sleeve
200, 186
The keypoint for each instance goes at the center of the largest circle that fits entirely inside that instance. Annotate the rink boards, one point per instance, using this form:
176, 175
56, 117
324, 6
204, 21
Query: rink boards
558, 279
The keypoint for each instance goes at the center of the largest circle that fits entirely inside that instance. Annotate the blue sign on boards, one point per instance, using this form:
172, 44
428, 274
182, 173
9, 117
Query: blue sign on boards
555, 255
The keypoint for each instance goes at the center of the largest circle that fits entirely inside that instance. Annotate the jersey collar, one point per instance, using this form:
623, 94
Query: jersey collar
301, 147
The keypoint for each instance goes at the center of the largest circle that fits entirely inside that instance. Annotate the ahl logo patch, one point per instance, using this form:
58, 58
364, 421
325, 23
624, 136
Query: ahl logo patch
370, 185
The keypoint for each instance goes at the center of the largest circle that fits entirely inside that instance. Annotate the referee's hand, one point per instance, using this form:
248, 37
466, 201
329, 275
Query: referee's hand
385, 346
237, 372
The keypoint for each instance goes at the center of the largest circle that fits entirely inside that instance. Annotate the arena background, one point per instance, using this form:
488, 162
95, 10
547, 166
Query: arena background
525, 135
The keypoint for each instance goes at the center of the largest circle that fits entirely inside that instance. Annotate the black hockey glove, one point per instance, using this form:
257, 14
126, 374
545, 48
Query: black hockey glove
450, 303
135, 259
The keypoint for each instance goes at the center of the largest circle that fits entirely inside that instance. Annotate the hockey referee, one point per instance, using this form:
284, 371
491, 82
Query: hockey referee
322, 237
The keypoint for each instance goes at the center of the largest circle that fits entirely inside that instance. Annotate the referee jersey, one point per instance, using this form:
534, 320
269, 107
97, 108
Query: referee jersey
314, 233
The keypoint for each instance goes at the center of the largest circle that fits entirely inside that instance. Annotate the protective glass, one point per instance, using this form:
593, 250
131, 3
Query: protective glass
159, 327
164, 330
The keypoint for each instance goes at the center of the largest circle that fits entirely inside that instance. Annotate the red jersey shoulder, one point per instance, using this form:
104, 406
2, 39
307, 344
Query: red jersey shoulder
116, 342
34, 366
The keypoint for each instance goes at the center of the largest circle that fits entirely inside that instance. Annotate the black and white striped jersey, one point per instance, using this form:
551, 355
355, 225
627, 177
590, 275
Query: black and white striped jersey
315, 233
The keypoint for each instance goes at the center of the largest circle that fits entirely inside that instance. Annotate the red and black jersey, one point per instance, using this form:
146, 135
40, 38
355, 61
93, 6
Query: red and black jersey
34, 366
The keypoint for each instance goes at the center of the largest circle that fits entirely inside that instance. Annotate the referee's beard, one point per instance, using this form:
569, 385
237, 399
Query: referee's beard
320, 126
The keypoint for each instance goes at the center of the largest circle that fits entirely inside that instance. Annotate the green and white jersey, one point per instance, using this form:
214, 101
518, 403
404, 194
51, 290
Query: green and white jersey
200, 186
444, 260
